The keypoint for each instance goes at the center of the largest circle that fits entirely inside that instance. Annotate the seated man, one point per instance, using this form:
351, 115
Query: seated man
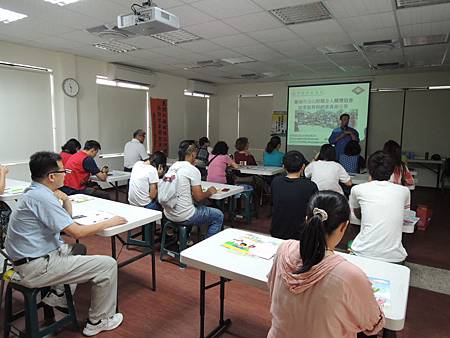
381, 206
143, 191
290, 196
134, 150
80, 168
189, 190
40, 258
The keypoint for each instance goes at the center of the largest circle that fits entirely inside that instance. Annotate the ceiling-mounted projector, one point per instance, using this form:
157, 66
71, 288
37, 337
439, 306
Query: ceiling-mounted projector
147, 19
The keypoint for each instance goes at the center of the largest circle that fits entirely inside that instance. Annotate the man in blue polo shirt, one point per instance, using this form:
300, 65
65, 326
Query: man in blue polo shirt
40, 257
342, 135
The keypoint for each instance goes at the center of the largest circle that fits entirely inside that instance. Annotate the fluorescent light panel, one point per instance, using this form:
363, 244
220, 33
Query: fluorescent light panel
102, 80
61, 2
425, 40
417, 3
176, 37
238, 60
439, 87
7, 16
292, 15
115, 47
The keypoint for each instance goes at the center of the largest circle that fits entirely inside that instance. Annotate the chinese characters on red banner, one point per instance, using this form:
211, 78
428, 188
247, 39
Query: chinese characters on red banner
160, 128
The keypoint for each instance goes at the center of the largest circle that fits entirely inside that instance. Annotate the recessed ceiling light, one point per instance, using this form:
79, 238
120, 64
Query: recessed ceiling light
425, 40
416, 3
61, 2
7, 16
292, 15
115, 46
238, 60
176, 37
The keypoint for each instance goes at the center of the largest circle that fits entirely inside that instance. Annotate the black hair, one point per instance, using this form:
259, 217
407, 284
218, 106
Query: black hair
186, 147
202, 141
343, 115
327, 152
158, 158
293, 161
138, 132
71, 146
394, 150
352, 148
42, 163
241, 143
92, 144
221, 148
313, 236
273, 144
380, 166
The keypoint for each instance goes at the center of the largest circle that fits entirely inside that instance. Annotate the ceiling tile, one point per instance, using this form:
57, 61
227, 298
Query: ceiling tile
322, 32
200, 46
254, 22
146, 42
390, 33
190, 16
430, 28
237, 40
423, 14
368, 22
258, 52
164, 4
104, 10
273, 35
225, 9
212, 29
351, 8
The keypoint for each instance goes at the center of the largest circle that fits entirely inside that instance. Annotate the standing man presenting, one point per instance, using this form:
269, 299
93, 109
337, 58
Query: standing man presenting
342, 135
134, 150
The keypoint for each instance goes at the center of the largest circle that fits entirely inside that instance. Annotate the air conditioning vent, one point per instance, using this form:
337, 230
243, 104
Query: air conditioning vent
381, 46
388, 65
417, 3
292, 15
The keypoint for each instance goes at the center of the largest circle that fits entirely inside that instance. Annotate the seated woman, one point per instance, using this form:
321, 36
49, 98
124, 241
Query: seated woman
316, 291
69, 148
326, 172
242, 156
219, 161
351, 159
143, 186
401, 174
273, 157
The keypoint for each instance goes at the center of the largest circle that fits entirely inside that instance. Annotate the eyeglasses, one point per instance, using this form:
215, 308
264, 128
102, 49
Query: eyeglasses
64, 171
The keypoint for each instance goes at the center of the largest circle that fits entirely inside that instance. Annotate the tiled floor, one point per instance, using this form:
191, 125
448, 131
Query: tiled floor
173, 310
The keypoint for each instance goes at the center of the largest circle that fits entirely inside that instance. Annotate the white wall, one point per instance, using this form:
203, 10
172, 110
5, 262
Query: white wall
385, 115
79, 117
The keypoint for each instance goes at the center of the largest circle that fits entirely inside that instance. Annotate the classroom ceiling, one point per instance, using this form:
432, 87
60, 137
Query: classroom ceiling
360, 37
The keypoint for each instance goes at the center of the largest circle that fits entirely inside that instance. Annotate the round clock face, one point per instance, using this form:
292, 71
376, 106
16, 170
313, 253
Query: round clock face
70, 87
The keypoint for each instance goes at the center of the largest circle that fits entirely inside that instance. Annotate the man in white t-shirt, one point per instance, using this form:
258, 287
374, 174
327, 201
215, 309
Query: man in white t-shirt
326, 173
143, 186
381, 206
189, 190
134, 150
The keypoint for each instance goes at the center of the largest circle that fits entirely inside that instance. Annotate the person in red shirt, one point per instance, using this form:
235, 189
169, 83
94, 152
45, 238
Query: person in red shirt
82, 165
71, 147
242, 156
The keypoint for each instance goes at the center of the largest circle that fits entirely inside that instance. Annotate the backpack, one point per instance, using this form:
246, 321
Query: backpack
167, 190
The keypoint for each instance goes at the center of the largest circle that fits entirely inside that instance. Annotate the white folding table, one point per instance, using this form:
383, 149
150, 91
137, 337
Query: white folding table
433, 166
260, 170
211, 256
114, 176
13, 189
136, 217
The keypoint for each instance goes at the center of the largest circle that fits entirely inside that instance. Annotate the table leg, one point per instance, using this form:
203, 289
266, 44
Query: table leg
116, 184
223, 323
151, 238
113, 247
438, 175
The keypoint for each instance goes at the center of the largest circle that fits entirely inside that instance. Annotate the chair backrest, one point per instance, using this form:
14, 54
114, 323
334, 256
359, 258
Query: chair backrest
446, 171
5, 212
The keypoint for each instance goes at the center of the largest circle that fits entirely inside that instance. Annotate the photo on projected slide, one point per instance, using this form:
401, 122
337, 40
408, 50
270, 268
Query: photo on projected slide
314, 111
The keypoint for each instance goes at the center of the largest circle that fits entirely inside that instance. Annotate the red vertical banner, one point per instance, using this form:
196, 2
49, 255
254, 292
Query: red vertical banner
160, 126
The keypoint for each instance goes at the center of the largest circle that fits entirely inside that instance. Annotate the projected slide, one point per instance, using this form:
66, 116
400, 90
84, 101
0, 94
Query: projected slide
313, 111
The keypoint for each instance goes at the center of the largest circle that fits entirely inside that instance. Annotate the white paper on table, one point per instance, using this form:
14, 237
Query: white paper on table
92, 217
264, 250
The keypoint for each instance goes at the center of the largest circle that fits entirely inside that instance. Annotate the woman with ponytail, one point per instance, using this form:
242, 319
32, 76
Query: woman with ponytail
315, 292
273, 157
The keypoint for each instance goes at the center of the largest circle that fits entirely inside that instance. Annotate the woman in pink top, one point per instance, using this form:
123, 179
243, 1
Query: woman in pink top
218, 162
315, 292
